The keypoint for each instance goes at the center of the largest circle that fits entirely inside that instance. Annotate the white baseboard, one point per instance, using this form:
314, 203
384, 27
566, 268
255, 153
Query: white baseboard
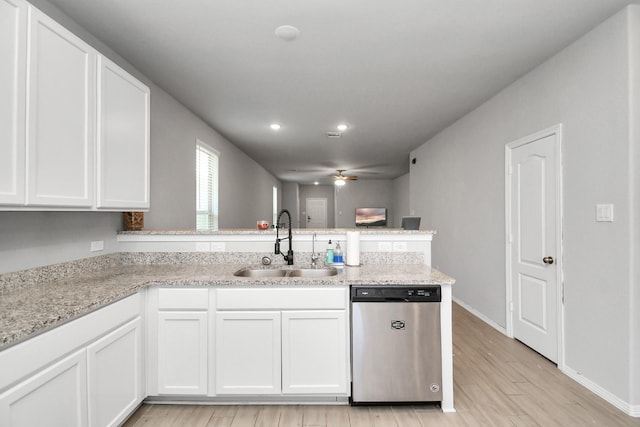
480, 316
632, 410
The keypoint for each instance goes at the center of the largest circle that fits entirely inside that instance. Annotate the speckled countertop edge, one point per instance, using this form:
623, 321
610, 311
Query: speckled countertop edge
31, 310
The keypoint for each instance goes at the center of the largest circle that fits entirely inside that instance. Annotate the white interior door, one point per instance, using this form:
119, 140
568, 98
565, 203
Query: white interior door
533, 205
316, 209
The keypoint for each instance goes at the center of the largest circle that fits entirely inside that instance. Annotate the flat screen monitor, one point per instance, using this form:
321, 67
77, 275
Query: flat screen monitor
411, 222
371, 217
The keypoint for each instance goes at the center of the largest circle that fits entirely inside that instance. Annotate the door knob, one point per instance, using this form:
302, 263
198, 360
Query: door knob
548, 260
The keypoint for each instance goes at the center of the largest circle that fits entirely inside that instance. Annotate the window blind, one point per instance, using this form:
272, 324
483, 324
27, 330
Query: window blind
207, 160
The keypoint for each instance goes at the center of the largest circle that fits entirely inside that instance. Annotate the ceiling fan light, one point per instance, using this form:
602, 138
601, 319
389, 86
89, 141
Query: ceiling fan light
340, 182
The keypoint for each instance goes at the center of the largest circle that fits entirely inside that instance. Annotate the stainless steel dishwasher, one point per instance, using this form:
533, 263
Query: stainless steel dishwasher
395, 344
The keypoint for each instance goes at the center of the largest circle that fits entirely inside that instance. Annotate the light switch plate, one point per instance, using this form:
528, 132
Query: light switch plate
604, 213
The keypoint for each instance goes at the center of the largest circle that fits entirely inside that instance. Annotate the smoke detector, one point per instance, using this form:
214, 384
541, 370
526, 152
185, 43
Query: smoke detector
287, 32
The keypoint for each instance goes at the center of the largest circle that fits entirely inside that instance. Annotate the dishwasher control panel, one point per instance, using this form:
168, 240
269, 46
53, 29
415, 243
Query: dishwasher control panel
396, 294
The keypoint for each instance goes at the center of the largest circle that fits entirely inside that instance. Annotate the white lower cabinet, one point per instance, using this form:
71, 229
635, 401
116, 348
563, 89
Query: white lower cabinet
248, 352
87, 372
178, 341
298, 347
182, 352
314, 349
115, 375
248, 341
54, 397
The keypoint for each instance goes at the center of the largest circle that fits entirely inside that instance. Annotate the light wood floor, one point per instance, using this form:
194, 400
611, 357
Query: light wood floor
498, 382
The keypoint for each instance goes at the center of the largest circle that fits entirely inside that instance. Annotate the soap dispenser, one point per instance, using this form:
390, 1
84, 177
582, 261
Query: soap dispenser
329, 256
338, 258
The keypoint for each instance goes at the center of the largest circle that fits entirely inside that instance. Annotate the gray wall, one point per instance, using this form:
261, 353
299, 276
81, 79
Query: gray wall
32, 239
372, 193
457, 186
291, 201
319, 191
634, 165
401, 198
245, 186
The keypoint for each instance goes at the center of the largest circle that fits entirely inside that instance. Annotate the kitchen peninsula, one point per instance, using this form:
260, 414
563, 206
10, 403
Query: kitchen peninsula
135, 302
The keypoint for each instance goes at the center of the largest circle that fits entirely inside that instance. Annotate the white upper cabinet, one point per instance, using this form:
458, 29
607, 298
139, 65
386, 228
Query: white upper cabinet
13, 59
123, 139
74, 126
60, 115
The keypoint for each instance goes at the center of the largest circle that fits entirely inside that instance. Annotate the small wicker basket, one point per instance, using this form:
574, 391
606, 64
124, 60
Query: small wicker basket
133, 221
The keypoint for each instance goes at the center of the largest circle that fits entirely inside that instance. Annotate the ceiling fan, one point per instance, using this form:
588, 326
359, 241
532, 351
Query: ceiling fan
341, 179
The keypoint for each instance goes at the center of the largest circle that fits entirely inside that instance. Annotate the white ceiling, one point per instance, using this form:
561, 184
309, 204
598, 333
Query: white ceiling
397, 72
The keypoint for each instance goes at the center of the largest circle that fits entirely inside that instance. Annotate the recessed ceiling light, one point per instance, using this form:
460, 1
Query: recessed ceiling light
316, 183
275, 126
287, 32
342, 127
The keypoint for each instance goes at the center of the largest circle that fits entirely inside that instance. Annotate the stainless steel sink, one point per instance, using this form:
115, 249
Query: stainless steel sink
313, 272
258, 273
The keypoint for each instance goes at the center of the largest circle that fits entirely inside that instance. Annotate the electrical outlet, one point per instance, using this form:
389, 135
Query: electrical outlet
385, 246
399, 246
202, 246
218, 247
97, 246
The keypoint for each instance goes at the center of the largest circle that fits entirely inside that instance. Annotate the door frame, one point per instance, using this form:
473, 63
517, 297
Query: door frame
557, 131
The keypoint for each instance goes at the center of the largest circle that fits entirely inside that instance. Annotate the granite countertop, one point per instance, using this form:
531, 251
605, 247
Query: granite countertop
31, 310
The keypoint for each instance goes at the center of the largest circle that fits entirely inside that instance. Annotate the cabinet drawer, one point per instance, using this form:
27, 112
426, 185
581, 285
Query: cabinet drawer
281, 298
183, 299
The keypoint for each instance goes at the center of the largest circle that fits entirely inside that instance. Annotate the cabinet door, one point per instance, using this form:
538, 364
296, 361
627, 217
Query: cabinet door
182, 352
248, 353
115, 375
13, 59
123, 139
60, 116
314, 352
55, 397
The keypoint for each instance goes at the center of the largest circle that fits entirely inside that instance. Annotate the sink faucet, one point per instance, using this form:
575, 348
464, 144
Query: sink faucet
289, 256
314, 255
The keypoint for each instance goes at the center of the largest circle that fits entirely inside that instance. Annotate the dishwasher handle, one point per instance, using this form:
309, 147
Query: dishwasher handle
405, 294
396, 299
